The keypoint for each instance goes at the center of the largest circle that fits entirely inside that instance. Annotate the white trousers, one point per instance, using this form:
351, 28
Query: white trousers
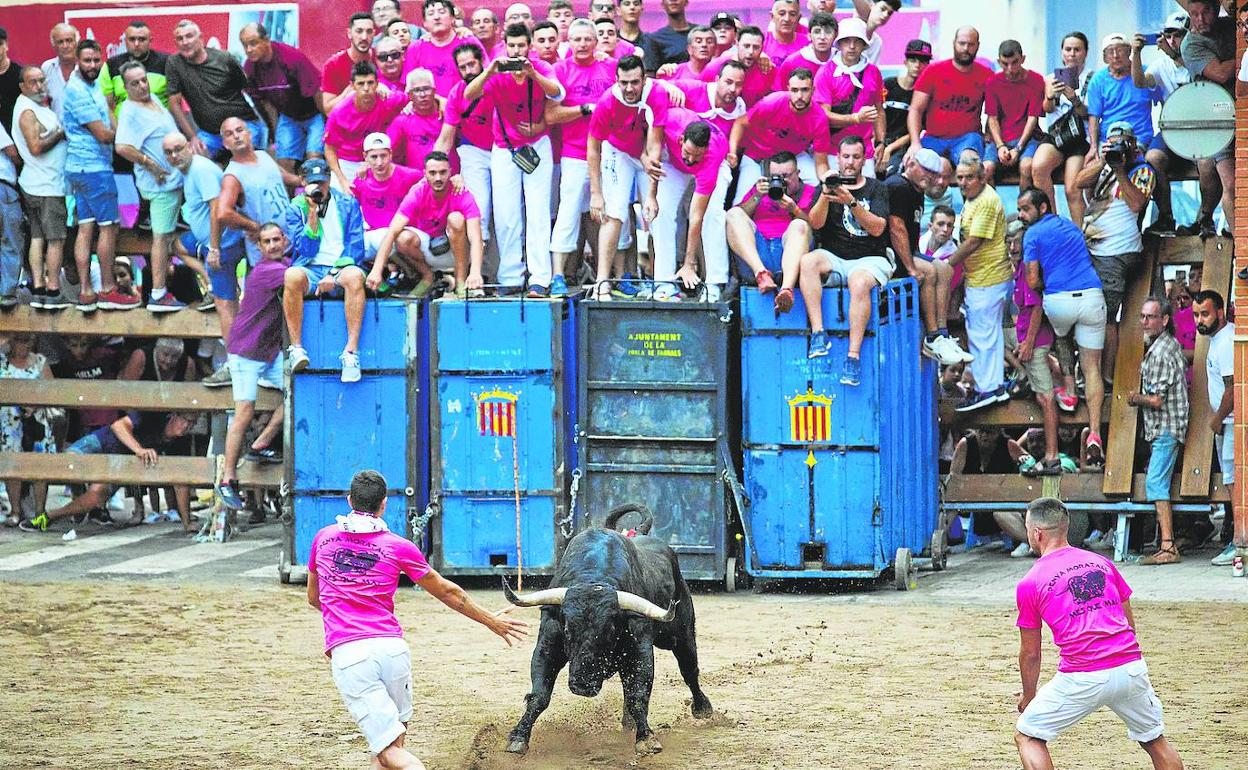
522, 215
621, 174
714, 238
474, 164
985, 310
752, 171
573, 202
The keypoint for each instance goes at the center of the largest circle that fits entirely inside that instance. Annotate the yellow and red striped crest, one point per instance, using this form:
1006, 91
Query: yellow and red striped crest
496, 413
810, 417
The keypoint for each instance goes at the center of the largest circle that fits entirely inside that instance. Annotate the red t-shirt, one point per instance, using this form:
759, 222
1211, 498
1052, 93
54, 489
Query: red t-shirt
336, 74
1012, 103
957, 98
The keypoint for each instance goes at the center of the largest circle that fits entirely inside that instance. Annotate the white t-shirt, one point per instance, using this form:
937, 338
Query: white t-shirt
947, 248
1243, 68
1168, 75
8, 172
1218, 364
331, 235
145, 128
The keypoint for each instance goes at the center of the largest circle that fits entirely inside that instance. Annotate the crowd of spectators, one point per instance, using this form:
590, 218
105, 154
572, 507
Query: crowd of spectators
469, 154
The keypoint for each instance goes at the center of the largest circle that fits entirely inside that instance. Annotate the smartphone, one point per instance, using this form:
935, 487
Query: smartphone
1068, 76
1151, 38
511, 65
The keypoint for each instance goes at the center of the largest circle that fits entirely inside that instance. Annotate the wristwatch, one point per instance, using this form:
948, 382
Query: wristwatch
852, 205
585, 110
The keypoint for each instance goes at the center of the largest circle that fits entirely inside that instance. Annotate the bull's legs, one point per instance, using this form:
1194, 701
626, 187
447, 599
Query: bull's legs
637, 677
686, 652
548, 660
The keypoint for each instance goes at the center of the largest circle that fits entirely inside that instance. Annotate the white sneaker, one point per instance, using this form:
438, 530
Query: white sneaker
714, 293
350, 366
296, 358
939, 351
1023, 549
954, 349
665, 292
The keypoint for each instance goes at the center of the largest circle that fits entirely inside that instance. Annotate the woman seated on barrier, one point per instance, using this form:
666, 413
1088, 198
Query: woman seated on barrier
26, 429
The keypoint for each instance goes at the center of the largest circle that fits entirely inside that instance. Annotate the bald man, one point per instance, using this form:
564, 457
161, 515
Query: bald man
58, 69
945, 114
518, 13
285, 84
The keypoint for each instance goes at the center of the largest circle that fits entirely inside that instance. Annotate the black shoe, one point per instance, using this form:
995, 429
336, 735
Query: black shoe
100, 516
267, 455
1162, 227
1194, 228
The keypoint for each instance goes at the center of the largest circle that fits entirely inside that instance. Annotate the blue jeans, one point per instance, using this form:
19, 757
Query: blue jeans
11, 240
297, 139
259, 138
1161, 467
770, 251
953, 147
991, 156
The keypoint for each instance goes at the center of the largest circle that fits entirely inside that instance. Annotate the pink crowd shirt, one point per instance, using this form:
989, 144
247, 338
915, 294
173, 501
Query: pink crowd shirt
475, 122
412, 137
426, 211
346, 127
834, 89
625, 125
439, 60
769, 218
775, 127
757, 85
518, 102
581, 85
706, 171
379, 200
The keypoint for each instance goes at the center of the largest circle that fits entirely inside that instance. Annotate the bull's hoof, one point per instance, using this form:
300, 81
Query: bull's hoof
518, 746
702, 710
648, 745
627, 722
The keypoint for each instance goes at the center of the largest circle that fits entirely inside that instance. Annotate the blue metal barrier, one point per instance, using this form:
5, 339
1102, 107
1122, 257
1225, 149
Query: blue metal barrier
841, 481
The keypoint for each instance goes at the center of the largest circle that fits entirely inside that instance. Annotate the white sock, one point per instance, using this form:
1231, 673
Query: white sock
158, 294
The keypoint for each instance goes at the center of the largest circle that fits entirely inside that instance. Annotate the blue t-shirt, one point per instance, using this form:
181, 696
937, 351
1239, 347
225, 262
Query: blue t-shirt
85, 104
202, 185
1058, 245
1112, 99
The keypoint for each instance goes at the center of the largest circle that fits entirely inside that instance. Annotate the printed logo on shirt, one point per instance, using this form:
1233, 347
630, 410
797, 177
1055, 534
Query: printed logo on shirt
350, 562
851, 224
1086, 587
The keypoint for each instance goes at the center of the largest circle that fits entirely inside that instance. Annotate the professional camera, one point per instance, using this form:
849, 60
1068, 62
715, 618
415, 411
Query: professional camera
510, 65
831, 183
316, 194
1113, 156
776, 187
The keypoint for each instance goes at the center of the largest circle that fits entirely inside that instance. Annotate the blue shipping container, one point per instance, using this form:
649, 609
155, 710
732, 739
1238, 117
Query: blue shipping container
312, 512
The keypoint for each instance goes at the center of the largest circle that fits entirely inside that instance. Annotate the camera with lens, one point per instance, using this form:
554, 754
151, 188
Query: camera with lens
832, 182
776, 187
1113, 156
511, 65
316, 194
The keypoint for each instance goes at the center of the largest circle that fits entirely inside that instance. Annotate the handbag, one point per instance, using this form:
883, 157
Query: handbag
525, 158
1069, 129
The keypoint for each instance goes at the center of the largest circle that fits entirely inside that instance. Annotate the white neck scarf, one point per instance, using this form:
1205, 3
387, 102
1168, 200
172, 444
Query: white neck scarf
715, 111
852, 72
361, 523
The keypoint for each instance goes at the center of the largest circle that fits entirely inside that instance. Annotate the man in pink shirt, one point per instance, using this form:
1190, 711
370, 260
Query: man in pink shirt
435, 227
701, 50
389, 57
436, 51
823, 31
767, 221
617, 138
1014, 103
851, 93
353, 573
1085, 602
749, 52
786, 36
468, 132
785, 121
366, 112
683, 149
609, 41
546, 42
720, 102
484, 24
336, 74
381, 189
516, 89
584, 79
416, 130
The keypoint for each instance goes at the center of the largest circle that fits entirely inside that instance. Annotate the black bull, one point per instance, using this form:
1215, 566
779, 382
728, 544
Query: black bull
604, 614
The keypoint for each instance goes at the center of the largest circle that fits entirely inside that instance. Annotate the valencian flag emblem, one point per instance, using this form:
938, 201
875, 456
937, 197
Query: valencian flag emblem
810, 420
496, 413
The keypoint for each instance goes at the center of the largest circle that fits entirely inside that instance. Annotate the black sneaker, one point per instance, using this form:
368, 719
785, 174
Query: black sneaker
100, 516
1194, 228
8, 301
267, 455
36, 297
1164, 228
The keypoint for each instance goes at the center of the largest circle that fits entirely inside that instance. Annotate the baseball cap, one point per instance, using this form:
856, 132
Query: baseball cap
314, 170
723, 17
1113, 39
1176, 21
919, 49
852, 27
929, 160
1119, 128
376, 141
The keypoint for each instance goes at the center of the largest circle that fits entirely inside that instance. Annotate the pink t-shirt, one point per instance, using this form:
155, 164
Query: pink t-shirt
438, 59
706, 171
581, 85
379, 200
780, 51
684, 71
769, 218
843, 95
1025, 299
427, 211
357, 574
625, 125
775, 127
412, 137
700, 97
1079, 595
756, 86
475, 123
1012, 103
518, 102
393, 85
803, 58
622, 48
346, 126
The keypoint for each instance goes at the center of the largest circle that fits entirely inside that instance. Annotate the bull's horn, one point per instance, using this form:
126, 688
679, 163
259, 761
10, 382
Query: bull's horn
537, 598
644, 607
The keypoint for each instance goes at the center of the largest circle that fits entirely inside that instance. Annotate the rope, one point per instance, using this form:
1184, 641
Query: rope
515, 473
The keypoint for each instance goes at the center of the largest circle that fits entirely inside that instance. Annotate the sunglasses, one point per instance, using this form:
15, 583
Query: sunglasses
392, 56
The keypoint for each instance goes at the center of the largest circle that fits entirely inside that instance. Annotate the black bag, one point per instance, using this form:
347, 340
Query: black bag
526, 158
1069, 129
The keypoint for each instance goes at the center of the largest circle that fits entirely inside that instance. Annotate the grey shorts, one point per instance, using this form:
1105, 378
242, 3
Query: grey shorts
47, 215
1115, 270
1038, 374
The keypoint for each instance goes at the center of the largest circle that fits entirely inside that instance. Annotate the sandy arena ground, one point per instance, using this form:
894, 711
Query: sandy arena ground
120, 675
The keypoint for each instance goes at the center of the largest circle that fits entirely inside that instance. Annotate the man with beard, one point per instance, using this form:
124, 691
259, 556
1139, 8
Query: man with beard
720, 102
1210, 313
948, 101
337, 71
785, 121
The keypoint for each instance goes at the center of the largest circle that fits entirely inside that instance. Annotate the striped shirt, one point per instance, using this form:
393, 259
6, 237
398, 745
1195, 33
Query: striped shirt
1163, 373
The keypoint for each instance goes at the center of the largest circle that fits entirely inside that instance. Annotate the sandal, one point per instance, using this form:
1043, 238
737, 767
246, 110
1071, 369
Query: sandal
1164, 555
766, 282
784, 301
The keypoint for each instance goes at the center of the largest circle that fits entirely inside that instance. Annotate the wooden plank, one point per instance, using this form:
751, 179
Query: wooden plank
143, 396
1120, 443
1188, 250
1023, 414
1198, 447
1070, 487
111, 323
128, 469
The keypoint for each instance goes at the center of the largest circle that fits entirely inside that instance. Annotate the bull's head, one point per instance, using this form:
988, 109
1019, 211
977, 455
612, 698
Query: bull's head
590, 633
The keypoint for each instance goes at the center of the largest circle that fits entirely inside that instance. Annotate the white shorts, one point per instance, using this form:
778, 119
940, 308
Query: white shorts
375, 679
437, 262
1226, 453
878, 267
372, 241
1069, 697
1084, 311
621, 175
246, 373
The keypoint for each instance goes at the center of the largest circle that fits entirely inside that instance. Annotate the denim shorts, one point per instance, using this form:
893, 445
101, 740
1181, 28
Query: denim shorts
316, 272
245, 373
224, 281
953, 147
87, 445
297, 139
770, 251
991, 156
95, 197
1161, 462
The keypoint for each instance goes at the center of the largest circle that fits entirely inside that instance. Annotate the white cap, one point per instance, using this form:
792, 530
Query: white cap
1177, 20
376, 141
1113, 39
852, 27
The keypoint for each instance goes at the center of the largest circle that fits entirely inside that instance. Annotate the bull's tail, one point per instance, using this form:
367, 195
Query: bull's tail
647, 518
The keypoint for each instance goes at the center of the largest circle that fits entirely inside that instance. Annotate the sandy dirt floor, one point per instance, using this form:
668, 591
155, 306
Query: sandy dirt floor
118, 675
